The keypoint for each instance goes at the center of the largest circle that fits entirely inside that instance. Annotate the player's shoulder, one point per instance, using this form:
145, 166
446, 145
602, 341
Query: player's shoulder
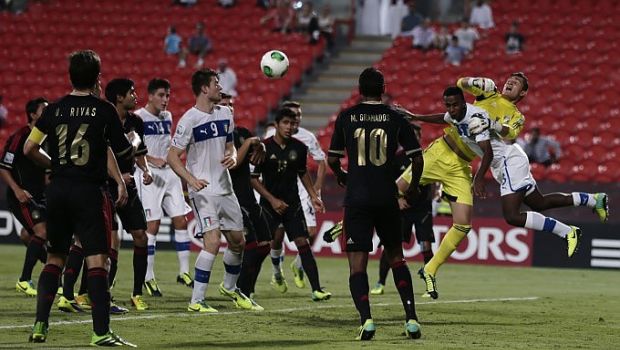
297, 143
472, 110
223, 111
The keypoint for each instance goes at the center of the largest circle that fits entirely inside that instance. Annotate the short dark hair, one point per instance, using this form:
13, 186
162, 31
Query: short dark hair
84, 69
285, 113
201, 78
33, 105
156, 84
118, 87
453, 91
523, 78
291, 104
371, 83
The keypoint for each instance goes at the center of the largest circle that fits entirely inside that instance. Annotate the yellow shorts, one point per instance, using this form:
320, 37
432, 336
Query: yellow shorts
442, 165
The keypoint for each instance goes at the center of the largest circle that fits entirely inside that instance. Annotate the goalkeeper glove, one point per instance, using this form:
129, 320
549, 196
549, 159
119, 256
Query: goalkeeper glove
480, 123
484, 84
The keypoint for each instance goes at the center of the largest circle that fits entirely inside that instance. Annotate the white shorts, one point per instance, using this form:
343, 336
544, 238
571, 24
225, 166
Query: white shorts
216, 212
513, 172
308, 208
165, 192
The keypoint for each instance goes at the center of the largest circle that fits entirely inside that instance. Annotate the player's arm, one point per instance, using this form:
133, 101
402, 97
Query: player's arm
487, 157
336, 151
429, 118
319, 156
32, 148
156, 162
115, 173
230, 156
21, 194
141, 152
307, 182
477, 86
251, 142
276, 203
147, 176
174, 160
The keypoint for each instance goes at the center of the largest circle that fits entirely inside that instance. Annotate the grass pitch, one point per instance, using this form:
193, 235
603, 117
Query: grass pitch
480, 307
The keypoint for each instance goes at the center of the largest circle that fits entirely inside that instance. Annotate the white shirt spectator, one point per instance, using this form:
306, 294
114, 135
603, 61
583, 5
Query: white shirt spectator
467, 37
228, 79
423, 37
482, 16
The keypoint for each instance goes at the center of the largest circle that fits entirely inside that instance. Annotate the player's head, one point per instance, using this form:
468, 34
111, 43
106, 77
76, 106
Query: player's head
206, 83
516, 87
228, 101
84, 69
371, 84
296, 107
159, 94
34, 109
285, 122
534, 134
121, 92
454, 100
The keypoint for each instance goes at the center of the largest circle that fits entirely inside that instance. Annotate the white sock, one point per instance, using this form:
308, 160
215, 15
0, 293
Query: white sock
283, 253
539, 222
202, 274
150, 258
298, 262
182, 245
232, 267
582, 199
275, 261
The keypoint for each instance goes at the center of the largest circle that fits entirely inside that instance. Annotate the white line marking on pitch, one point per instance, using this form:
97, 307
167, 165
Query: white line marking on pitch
315, 307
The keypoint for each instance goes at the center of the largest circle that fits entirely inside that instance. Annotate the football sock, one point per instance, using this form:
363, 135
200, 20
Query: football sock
402, 280
282, 253
46, 291
152, 241
358, 285
298, 262
428, 255
384, 268
232, 267
72, 270
248, 268
275, 262
99, 293
448, 245
583, 199
539, 222
309, 264
33, 252
139, 268
262, 251
113, 256
202, 274
182, 245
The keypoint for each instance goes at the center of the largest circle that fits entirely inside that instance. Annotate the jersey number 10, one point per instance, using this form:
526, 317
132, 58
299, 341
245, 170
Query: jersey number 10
377, 144
80, 149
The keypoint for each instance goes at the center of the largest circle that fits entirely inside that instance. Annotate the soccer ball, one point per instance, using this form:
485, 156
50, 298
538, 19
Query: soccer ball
274, 64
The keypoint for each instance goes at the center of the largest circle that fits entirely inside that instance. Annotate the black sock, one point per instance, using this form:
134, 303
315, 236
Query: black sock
262, 252
113, 255
309, 264
402, 281
248, 268
139, 268
384, 268
33, 252
84, 281
428, 255
358, 285
100, 299
72, 270
46, 291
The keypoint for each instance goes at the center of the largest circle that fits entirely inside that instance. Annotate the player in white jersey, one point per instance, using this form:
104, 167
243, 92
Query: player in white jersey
206, 132
315, 151
166, 191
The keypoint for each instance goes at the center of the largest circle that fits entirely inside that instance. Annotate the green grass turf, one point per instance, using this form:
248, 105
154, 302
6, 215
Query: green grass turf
568, 309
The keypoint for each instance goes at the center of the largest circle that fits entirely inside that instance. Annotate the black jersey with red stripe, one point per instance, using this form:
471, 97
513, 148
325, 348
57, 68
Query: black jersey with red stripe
25, 172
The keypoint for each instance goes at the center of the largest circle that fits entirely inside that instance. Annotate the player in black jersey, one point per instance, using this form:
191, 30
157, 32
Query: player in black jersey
257, 235
285, 161
26, 194
369, 133
82, 132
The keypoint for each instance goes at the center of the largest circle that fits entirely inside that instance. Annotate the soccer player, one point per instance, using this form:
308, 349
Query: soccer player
206, 132
257, 235
79, 127
26, 194
314, 148
369, 133
285, 162
166, 191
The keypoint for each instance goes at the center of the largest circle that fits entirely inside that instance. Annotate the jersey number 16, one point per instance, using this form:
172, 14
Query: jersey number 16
80, 149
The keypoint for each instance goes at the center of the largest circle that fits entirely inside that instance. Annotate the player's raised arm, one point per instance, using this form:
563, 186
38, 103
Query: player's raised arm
477, 86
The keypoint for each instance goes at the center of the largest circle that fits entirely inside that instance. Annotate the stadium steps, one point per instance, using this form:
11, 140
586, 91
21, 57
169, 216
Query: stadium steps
324, 95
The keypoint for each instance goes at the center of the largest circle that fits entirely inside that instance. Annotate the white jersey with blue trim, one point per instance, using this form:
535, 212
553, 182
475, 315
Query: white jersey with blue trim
204, 137
156, 132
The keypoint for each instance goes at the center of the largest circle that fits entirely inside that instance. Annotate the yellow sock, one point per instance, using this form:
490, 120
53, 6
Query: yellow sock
455, 235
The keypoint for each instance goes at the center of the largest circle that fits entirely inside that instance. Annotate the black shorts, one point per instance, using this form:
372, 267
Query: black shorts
80, 208
361, 221
30, 213
255, 223
293, 221
422, 218
131, 214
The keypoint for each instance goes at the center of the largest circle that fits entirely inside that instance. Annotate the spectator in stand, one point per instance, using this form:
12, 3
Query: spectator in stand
424, 35
186, 3
514, 39
454, 53
283, 16
326, 26
481, 15
227, 3
263, 3
4, 113
467, 35
541, 149
172, 44
308, 22
411, 21
227, 77
198, 44
442, 39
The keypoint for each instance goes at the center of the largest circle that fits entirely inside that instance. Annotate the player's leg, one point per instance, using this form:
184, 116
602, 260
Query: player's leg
248, 265
152, 198
263, 237
174, 204
36, 247
423, 221
152, 227
275, 224
74, 261
310, 217
598, 202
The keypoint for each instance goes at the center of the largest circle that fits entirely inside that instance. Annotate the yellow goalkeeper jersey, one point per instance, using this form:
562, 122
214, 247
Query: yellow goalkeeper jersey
499, 109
